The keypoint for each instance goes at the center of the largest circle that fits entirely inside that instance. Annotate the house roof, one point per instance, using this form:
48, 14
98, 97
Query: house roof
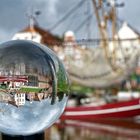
47, 38
128, 32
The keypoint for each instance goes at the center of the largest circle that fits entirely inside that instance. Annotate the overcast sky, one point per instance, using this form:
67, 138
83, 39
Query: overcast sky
13, 15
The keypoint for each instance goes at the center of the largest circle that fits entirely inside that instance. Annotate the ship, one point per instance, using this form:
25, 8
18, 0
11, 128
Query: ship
111, 63
119, 110
97, 63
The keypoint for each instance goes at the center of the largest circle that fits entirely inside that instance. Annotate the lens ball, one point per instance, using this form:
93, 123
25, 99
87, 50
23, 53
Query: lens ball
34, 87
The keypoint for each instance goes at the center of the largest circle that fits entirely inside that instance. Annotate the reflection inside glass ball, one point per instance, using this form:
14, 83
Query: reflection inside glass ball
33, 88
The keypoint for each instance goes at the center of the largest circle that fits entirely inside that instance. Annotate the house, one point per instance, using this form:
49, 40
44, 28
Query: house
37, 34
5, 97
31, 96
126, 41
19, 99
40, 96
46, 94
130, 37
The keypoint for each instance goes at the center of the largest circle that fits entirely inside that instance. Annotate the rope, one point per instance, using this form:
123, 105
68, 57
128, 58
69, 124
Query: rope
83, 23
67, 15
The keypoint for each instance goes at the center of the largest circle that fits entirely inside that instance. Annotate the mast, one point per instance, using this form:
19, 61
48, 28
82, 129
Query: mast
114, 31
113, 18
97, 7
102, 24
103, 18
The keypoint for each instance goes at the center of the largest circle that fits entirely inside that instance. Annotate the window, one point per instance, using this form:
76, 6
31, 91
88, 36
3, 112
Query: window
33, 81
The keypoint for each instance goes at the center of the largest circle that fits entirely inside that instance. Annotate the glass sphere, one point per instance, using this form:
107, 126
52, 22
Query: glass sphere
34, 87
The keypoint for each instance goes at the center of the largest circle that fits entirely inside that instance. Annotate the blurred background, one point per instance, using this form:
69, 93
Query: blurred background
99, 43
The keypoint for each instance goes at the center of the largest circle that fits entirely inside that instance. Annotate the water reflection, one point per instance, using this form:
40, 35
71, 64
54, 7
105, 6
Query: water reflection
74, 130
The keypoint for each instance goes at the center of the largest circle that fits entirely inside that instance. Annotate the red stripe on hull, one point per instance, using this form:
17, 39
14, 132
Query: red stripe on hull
107, 106
127, 109
124, 114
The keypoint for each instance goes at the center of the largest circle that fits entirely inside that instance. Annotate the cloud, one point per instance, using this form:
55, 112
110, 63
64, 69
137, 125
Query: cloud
49, 6
52, 6
13, 16
5, 35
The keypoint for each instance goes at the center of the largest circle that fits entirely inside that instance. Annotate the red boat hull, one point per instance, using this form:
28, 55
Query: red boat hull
126, 109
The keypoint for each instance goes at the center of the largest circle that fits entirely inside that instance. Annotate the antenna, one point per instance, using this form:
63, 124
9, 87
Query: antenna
32, 16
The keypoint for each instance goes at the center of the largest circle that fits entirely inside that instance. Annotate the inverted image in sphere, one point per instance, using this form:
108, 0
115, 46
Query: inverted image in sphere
34, 87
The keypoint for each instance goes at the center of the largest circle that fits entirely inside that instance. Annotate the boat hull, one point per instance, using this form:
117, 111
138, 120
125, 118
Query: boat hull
125, 109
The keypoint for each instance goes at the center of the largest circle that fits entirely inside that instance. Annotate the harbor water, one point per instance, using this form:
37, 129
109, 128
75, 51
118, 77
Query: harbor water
109, 130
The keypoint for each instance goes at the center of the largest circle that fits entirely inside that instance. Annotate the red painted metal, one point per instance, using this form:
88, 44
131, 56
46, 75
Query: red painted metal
125, 109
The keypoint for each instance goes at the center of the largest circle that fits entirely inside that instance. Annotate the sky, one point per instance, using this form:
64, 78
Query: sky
13, 15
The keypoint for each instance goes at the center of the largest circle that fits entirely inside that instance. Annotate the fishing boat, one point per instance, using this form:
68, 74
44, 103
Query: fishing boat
109, 64
118, 110
101, 63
